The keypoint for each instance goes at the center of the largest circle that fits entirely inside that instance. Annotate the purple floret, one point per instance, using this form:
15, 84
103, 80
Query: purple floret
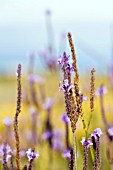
31, 155
65, 119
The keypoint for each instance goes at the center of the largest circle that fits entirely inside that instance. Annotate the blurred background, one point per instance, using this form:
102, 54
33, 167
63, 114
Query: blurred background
33, 26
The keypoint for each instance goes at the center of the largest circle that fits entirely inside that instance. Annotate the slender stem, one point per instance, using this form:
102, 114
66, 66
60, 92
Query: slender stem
75, 151
89, 121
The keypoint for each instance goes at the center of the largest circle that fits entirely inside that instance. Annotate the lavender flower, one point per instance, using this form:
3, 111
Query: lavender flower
65, 86
110, 133
65, 61
66, 154
7, 151
57, 144
31, 155
32, 111
97, 132
100, 91
48, 104
32, 78
65, 119
46, 135
7, 121
87, 142
83, 98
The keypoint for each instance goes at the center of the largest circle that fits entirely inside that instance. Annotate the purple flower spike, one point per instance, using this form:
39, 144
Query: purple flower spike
65, 119
65, 86
66, 154
61, 61
87, 142
8, 152
97, 132
31, 155
7, 121
100, 91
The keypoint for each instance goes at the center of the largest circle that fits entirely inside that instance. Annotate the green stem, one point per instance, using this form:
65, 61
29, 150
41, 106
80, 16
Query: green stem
86, 133
75, 151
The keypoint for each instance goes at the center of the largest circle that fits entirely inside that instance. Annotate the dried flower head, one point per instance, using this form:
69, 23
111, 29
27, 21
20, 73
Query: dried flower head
92, 90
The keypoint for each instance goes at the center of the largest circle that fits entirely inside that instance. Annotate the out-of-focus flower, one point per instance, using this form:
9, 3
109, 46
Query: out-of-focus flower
48, 12
7, 121
100, 91
32, 78
32, 111
46, 135
110, 133
66, 154
65, 118
83, 98
48, 104
97, 132
87, 142
31, 155
57, 144
7, 151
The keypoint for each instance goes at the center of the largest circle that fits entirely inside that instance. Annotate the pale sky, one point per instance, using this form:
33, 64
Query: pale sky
32, 10
23, 27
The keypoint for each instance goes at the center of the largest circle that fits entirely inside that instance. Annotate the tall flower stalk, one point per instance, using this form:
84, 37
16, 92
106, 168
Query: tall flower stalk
18, 110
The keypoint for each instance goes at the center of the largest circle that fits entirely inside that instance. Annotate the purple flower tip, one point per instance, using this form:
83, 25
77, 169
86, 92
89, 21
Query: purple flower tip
31, 155
66, 154
65, 119
87, 142
97, 132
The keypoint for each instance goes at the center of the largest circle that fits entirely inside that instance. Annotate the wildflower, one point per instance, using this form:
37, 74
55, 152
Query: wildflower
110, 133
65, 119
100, 91
7, 121
66, 154
47, 135
31, 155
48, 104
96, 145
57, 144
87, 142
32, 78
7, 152
82, 98
66, 87
32, 111
97, 132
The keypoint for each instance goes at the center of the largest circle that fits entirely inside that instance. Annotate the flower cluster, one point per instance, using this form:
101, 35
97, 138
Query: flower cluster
31, 155
7, 152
